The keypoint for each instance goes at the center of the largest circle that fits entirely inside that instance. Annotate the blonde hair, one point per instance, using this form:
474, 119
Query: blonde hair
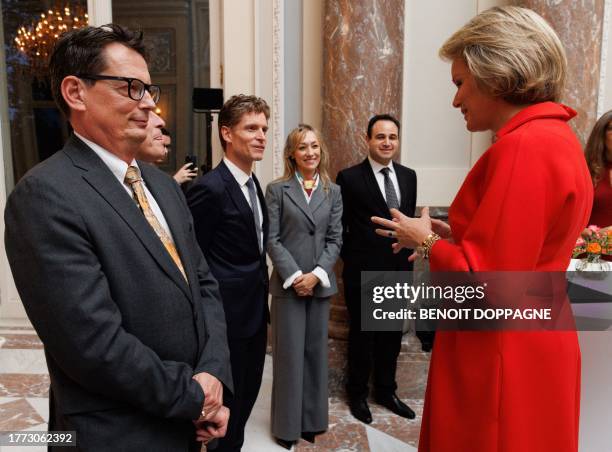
513, 53
595, 149
295, 137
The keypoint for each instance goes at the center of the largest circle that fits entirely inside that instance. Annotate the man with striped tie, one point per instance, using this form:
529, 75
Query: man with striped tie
369, 189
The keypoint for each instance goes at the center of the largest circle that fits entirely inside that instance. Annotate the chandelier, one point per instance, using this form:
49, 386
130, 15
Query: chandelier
36, 41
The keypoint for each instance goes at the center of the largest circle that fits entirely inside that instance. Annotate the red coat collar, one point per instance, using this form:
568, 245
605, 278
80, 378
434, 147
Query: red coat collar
536, 111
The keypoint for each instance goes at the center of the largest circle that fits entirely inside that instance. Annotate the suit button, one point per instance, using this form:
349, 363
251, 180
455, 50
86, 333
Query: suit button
311, 232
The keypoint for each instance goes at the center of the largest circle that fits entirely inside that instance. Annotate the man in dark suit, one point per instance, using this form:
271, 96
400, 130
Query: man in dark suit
369, 189
105, 260
231, 225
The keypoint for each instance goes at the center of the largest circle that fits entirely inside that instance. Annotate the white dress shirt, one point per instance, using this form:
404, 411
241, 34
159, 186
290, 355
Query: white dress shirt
119, 168
380, 178
242, 178
318, 271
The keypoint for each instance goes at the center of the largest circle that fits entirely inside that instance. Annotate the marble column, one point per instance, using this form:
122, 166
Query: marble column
362, 76
579, 26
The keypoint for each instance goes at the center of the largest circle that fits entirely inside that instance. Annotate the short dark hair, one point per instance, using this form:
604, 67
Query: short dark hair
164, 131
238, 105
80, 51
383, 117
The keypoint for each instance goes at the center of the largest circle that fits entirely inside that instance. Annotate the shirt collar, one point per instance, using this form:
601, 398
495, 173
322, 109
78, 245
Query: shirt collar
376, 167
117, 166
542, 110
240, 176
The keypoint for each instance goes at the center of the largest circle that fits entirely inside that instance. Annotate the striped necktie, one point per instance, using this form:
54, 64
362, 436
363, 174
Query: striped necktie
390, 192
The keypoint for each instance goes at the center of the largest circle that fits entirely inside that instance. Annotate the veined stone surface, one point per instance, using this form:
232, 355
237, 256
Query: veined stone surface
24, 403
579, 26
362, 76
362, 72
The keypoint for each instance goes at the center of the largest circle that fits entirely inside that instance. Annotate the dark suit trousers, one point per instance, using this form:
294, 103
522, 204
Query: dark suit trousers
367, 349
247, 356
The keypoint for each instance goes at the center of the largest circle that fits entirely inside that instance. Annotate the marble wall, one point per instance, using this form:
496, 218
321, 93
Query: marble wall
362, 76
362, 65
579, 26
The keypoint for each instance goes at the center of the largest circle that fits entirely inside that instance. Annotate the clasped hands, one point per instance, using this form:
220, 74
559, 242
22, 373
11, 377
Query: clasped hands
213, 422
410, 232
305, 284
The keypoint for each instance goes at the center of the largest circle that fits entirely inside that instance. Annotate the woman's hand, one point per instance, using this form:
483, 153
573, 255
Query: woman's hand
304, 284
185, 174
409, 232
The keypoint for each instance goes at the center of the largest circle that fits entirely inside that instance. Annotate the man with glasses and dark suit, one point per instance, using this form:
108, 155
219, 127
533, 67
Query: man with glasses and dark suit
105, 260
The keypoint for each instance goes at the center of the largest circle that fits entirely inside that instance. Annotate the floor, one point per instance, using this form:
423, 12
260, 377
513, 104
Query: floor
24, 404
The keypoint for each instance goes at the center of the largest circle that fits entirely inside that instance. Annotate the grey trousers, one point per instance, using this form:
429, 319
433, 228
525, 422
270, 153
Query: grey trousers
299, 352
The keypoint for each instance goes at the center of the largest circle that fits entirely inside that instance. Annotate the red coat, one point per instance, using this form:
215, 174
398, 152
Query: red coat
521, 207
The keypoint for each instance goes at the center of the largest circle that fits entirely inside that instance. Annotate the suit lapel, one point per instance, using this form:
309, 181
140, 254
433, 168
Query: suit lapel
103, 181
372, 187
237, 196
317, 198
172, 214
295, 193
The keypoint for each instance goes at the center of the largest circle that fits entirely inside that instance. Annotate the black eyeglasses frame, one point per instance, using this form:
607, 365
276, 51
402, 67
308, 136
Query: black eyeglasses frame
155, 94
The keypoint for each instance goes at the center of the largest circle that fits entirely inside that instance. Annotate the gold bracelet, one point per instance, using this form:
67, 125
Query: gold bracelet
425, 247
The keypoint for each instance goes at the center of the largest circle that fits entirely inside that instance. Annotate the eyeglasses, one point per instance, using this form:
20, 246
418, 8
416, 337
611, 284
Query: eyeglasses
136, 87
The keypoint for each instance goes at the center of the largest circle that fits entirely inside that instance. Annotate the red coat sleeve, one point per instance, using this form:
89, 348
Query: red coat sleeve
507, 205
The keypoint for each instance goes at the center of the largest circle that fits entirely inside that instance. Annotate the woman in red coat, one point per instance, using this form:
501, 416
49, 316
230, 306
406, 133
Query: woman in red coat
521, 207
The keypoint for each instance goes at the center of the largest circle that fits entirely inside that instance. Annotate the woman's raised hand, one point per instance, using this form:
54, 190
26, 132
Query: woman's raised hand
409, 232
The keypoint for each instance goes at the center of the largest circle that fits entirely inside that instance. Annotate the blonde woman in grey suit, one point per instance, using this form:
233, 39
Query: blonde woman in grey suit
305, 211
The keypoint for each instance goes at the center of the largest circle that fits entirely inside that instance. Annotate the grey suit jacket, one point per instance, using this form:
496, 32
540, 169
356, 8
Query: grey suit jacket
122, 329
303, 235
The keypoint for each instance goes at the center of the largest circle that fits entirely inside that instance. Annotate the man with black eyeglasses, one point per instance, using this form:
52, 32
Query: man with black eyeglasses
135, 88
105, 260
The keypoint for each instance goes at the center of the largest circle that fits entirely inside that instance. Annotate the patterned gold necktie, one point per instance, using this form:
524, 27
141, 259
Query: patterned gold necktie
132, 177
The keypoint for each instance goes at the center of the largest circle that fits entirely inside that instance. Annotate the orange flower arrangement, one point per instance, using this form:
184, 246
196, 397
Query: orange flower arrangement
593, 248
593, 245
